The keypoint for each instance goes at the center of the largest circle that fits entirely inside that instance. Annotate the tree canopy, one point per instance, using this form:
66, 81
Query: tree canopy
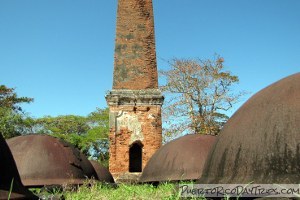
198, 94
9, 99
13, 121
87, 133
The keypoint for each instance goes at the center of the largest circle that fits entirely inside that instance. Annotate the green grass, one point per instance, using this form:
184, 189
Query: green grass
123, 192
98, 191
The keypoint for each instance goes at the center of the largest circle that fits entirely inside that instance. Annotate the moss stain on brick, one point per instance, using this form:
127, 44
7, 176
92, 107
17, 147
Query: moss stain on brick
129, 36
119, 48
121, 72
141, 27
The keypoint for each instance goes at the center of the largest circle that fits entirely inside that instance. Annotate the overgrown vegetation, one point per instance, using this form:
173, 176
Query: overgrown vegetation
123, 192
100, 191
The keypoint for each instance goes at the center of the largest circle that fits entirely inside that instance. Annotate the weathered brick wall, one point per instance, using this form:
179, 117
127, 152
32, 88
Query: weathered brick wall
131, 124
135, 101
135, 57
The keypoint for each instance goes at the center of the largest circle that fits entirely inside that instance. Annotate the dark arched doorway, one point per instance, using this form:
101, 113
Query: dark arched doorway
135, 157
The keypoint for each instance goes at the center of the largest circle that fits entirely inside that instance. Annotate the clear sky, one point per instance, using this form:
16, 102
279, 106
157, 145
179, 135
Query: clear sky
60, 52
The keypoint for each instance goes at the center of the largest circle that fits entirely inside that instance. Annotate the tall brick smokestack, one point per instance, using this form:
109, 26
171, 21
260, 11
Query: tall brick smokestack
135, 100
135, 57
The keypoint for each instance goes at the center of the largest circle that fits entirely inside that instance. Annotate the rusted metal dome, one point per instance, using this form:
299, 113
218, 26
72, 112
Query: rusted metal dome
180, 159
103, 174
45, 160
261, 141
10, 182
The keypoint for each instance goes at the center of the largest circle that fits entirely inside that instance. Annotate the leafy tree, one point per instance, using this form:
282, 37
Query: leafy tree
198, 93
89, 134
99, 123
9, 121
13, 120
9, 99
66, 124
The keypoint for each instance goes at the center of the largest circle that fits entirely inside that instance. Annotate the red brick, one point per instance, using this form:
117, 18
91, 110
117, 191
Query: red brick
135, 101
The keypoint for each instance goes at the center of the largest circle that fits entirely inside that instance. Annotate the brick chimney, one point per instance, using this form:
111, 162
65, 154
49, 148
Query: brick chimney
135, 100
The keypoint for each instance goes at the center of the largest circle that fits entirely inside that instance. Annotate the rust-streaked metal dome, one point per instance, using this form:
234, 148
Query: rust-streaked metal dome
180, 159
45, 160
9, 176
261, 141
103, 174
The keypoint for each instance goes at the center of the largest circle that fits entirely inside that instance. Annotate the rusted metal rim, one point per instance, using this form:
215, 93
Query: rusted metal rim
10, 182
45, 160
103, 174
180, 159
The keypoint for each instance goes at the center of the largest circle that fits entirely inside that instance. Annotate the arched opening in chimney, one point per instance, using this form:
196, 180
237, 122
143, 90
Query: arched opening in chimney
135, 157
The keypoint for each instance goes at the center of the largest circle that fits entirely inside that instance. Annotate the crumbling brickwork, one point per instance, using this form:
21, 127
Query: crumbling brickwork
135, 57
135, 100
146, 129
135, 117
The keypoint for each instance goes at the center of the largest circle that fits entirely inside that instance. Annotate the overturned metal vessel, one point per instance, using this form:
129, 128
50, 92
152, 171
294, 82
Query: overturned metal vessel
45, 160
180, 159
261, 142
103, 173
10, 182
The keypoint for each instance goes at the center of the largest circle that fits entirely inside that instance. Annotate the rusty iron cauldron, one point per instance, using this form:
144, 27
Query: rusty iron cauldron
103, 174
43, 160
180, 159
10, 182
261, 141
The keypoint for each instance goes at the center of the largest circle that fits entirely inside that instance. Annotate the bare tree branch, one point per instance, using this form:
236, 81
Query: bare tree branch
197, 91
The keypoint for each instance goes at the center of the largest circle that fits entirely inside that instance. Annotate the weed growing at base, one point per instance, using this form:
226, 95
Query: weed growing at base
100, 191
123, 192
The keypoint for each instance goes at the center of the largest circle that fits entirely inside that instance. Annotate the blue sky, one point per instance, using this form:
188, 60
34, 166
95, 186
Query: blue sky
60, 52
